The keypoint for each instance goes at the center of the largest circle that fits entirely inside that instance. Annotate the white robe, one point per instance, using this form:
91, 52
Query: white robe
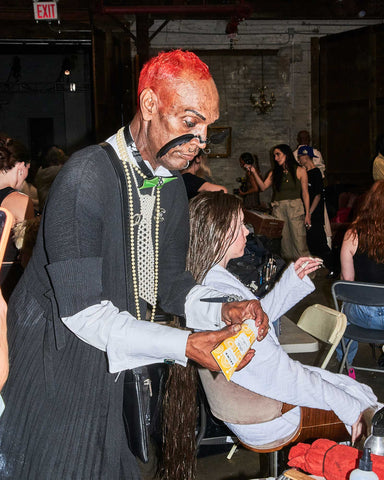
274, 374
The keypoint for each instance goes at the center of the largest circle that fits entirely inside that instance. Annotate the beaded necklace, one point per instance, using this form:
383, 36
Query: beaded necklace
129, 169
285, 175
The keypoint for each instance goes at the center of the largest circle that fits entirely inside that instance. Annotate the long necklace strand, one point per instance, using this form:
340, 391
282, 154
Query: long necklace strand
123, 153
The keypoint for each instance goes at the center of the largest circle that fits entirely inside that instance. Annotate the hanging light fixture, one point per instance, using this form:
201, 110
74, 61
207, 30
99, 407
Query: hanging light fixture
259, 100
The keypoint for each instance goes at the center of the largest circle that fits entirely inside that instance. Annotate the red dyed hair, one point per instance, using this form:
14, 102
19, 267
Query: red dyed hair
369, 223
168, 66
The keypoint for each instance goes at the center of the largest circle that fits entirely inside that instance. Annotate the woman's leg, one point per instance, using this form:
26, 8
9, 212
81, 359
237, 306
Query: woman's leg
317, 243
279, 212
298, 235
362, 316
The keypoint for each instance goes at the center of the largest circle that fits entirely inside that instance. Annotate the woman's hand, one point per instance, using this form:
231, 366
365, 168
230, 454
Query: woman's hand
249, 168
307, 220
305, 265
358, 428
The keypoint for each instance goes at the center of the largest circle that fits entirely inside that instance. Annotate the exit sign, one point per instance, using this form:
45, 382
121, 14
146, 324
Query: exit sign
45, 10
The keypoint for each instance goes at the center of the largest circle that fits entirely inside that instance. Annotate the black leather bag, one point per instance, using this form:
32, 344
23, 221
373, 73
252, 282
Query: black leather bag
142, 406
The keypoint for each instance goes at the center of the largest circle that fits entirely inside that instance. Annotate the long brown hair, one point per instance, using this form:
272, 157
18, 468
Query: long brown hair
211, 215
290, 163
369, 223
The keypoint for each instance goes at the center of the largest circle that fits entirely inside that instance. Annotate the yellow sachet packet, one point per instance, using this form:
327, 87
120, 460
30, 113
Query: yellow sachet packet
232, 350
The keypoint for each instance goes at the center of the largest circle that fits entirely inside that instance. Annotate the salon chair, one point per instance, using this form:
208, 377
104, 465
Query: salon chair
230, 402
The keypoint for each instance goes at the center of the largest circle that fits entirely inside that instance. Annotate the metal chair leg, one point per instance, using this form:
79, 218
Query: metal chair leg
344, 361
273, 463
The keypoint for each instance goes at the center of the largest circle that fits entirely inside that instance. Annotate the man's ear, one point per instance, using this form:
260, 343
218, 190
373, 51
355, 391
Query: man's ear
148, 103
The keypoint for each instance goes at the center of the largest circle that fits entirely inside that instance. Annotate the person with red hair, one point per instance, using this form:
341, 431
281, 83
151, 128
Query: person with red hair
112, 242
362, 260
165, 68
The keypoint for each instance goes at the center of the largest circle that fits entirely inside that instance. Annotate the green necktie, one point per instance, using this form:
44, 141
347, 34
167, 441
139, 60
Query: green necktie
158, 182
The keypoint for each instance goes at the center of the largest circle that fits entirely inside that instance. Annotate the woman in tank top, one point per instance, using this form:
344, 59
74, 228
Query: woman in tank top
291, 200
14, 166
362, 260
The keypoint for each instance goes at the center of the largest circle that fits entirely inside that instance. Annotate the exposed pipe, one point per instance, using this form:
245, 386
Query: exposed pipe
241, 9
164, 24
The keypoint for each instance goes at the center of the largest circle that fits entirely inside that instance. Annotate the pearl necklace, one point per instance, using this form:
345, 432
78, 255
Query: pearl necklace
129, 168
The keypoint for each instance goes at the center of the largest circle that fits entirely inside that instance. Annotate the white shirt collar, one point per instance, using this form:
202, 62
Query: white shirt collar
160, 171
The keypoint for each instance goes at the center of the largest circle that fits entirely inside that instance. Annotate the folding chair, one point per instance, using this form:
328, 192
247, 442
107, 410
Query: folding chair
360, 293
325, 324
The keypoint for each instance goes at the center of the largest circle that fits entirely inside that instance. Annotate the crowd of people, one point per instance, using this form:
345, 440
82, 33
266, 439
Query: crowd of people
115, 244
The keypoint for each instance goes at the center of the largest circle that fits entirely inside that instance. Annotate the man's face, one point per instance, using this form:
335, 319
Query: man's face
304, 160
186, 107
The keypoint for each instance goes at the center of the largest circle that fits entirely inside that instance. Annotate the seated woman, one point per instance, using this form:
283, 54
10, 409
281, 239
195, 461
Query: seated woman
218, 234
362, 260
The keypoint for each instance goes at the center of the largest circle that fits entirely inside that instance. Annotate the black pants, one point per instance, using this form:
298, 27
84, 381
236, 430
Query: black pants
317, 243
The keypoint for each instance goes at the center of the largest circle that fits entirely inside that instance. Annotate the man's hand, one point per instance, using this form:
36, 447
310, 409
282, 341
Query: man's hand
201, 344
238, 312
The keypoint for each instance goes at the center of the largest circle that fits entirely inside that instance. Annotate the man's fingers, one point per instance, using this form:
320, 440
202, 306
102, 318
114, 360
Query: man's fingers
238, 312
263, 328
247, 358
226, 332
201, 344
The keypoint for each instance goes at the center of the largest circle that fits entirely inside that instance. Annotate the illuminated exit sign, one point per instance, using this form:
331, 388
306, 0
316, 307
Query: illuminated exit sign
45, 10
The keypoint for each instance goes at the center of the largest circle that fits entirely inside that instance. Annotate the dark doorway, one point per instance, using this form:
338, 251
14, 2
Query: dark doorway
350, 105
41, 134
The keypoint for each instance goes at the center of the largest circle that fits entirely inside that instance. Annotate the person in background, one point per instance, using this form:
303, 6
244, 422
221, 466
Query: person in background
362, 260
250, 191
304, 138
290, 200
52, 159
13, 172
194, 183
316, 237
378, 162
26, 186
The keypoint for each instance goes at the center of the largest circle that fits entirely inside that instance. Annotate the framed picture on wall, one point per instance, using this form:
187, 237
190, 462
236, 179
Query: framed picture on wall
221, 141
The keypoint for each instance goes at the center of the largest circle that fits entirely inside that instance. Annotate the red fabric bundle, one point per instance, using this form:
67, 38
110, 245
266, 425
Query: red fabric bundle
328, 459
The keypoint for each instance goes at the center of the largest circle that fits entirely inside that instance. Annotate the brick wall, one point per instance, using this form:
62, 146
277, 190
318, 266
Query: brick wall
287, 73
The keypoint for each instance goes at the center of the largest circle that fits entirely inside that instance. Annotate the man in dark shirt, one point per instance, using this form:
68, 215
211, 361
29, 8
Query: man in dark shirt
195, 184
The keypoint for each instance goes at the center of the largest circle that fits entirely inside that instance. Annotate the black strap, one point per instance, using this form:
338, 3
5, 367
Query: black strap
140, 162
4, 192
117, 165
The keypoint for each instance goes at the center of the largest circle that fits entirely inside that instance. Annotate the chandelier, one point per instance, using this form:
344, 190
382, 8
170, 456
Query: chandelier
259, 100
